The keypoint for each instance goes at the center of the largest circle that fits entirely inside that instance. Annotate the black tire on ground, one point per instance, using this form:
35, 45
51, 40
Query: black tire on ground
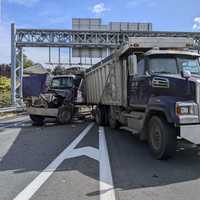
106, 115
64, 115
162, 138
99, 116
113, 123
37, 120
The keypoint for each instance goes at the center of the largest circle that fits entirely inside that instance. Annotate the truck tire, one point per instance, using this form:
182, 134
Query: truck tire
113, 123
37, 120
64, 115
162, 138
99, 116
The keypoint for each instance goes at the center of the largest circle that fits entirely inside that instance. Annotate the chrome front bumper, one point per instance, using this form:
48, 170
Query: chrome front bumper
51, 112
191, 133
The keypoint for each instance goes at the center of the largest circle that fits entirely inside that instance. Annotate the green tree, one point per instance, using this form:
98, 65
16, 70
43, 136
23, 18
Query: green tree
27, 62
5, 87
58, 70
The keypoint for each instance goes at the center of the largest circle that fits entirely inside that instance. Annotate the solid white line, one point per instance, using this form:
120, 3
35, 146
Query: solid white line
32, 188
106, 181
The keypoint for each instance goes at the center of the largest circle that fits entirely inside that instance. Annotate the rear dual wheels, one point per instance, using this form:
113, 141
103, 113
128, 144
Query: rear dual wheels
105, 115
112, 121
162, 138
101, 115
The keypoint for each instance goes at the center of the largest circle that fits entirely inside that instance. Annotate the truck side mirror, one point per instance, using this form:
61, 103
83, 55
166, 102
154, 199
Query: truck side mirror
132, 65
186, 74
135, 69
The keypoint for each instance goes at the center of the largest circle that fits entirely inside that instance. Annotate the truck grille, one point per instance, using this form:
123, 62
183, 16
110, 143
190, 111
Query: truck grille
198, 92
159, 82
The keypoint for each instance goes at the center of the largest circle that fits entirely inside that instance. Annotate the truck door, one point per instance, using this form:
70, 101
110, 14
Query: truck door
139, 88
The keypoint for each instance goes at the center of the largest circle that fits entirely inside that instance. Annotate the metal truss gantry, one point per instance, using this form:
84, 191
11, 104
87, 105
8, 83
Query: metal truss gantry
21, 38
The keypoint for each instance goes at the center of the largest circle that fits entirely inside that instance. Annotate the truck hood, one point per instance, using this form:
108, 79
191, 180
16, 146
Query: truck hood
178, 86
59, 92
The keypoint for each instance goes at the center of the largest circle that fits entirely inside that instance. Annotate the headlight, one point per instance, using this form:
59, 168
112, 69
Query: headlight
186, 108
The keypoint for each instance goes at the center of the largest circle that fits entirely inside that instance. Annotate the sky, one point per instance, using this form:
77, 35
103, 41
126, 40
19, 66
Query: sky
170, 15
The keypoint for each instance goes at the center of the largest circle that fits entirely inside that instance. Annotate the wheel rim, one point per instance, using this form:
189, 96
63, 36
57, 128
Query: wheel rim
65, 116
156, 137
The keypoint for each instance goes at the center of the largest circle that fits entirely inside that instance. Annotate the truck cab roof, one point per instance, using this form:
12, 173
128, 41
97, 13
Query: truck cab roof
175, 52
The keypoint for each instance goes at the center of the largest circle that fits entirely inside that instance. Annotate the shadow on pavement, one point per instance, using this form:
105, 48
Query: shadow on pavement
131, 163
133, 166
35, 147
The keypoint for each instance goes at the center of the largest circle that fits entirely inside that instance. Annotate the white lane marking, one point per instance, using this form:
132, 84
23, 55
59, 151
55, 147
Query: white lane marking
106, 181
32, 188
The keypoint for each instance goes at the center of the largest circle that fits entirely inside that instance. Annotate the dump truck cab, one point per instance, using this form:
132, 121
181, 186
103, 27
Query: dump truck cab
151, 87
166, 83
164, 73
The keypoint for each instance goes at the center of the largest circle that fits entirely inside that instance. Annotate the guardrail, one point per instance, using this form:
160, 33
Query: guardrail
12, 109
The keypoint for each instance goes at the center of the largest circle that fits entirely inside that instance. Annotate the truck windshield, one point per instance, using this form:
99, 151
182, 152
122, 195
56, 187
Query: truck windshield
62, 83
174, 64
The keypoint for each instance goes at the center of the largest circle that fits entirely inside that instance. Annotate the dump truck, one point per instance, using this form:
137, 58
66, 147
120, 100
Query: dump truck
54, 97
151, 87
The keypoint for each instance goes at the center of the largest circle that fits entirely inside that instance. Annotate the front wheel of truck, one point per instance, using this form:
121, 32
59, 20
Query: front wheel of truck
162, 138
64, 115
37, 120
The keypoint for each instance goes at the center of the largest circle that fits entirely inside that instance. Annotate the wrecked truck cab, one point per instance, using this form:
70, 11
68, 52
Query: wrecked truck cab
57, 101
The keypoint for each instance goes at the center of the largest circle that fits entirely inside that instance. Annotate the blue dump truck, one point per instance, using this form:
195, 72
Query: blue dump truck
52, 97
151, 87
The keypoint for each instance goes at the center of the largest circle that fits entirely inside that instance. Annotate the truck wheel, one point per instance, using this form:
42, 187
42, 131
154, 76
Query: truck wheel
64, 115
37, 120
113, 123
99, 116
162, 139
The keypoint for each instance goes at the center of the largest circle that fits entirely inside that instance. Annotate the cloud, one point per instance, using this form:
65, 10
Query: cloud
100, 8
24, 2
136, 3
196, 25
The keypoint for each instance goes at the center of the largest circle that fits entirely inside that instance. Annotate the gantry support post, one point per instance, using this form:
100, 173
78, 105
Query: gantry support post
21, 69
13, 65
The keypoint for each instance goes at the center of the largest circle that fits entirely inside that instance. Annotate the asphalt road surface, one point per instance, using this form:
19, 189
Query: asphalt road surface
82, 161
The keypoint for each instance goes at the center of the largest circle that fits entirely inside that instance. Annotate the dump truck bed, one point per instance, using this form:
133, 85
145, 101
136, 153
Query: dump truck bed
104, 82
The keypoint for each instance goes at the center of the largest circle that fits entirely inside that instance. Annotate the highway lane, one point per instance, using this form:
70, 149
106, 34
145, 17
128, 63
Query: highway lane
73, 159
25, 151
138, 176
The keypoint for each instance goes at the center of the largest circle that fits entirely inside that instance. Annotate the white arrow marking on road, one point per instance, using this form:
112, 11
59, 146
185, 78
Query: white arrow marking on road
101, 155
33, 187
90, 152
